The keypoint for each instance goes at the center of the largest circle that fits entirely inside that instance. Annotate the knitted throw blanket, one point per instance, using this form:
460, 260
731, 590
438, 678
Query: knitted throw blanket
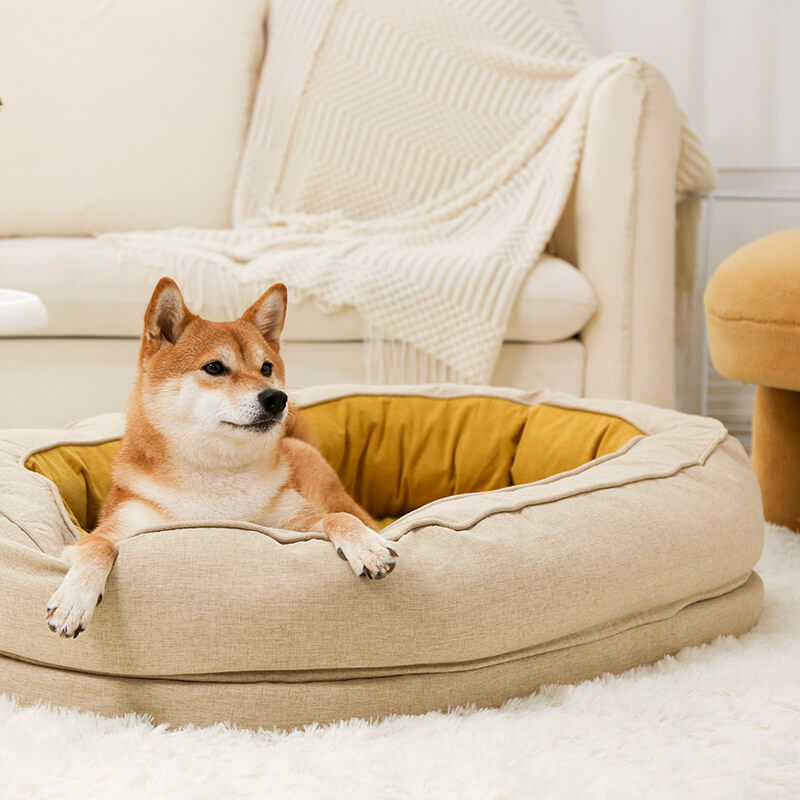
410, 158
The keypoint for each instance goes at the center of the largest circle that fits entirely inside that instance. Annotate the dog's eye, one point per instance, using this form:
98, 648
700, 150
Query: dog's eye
214, 368
266, 369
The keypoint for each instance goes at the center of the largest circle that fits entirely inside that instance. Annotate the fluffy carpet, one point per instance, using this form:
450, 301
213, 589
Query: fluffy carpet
721, 720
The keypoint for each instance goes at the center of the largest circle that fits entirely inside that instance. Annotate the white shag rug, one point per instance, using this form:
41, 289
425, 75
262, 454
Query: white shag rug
721, 720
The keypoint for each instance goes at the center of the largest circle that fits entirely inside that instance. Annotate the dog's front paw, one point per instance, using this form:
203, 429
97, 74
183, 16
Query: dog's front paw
72, 605
369, 555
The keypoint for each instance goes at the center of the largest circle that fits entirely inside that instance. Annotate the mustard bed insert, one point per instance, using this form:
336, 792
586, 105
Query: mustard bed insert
397, 453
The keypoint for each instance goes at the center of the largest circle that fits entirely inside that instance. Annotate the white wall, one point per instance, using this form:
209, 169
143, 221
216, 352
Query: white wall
734, 65
735, 68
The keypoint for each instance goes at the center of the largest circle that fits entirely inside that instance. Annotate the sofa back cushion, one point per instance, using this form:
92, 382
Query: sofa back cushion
124, 114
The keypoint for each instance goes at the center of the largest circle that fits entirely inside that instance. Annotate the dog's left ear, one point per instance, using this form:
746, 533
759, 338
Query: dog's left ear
268, 314
166, 315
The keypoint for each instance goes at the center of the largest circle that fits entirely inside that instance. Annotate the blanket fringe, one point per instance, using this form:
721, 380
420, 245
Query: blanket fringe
390, 360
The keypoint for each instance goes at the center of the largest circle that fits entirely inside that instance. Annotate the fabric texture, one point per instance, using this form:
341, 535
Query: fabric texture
410, 161
669, 522
752, 306
395, 454
618, 228
82, 475
259, 704
86, 294
123, 115
776, 453
753, 312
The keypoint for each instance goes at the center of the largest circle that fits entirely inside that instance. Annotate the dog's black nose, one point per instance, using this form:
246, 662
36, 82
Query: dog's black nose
273, 401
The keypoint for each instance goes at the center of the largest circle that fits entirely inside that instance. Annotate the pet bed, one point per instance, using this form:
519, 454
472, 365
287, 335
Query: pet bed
543, 538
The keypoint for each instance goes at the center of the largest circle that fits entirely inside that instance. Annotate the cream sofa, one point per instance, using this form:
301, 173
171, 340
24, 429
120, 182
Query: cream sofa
596, 317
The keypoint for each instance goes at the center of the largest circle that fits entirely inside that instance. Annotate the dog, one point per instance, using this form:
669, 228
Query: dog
212, 434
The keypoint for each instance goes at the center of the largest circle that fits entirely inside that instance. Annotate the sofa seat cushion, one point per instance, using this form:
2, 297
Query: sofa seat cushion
598, 521
87, 293
95, 375
753, 312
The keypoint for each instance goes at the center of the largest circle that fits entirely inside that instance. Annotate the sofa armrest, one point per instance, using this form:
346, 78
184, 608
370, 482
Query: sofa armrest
618, 228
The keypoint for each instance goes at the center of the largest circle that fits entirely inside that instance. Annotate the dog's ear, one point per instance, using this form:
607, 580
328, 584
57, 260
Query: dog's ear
268, 313
166, 316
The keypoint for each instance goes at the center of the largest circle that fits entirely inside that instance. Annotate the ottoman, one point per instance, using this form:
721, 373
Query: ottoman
752, 308
543, 538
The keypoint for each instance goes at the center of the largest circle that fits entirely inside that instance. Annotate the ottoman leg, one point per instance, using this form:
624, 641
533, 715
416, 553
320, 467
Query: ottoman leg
776, 453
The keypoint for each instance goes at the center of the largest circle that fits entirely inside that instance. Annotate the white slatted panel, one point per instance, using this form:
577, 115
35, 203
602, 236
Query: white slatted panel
732, 404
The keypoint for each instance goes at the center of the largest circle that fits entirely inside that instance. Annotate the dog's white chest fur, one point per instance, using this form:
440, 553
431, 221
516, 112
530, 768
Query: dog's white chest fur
249, 495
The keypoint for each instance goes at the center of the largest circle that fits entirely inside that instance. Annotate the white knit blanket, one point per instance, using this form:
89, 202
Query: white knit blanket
409, 158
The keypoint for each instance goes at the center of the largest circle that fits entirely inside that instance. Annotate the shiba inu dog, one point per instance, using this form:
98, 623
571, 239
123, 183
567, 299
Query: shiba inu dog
211, 434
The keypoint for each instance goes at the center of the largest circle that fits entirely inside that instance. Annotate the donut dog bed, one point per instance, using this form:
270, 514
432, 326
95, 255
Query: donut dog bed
543, 538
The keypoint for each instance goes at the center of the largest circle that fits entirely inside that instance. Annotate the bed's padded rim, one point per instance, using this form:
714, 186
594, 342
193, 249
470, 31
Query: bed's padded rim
395, 454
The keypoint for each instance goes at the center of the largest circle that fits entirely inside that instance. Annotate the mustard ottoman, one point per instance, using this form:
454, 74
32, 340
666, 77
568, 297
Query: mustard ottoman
753, 320
543, 538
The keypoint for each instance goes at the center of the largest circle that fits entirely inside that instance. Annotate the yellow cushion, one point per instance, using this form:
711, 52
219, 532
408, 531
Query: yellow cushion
753, 312
396, 453
82, 474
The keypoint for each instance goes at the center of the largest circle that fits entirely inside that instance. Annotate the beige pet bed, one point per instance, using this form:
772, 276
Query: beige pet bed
543, 538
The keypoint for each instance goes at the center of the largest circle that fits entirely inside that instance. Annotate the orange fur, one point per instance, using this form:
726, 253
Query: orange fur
201, 444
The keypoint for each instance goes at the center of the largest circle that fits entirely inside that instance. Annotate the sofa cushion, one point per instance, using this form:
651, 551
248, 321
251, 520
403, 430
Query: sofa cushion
95, 375
88, 294
120, 115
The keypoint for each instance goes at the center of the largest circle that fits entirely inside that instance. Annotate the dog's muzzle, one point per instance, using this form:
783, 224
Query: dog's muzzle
273, 404
273, 401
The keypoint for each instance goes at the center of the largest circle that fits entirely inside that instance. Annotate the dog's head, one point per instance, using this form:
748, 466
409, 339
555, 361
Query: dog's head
218, 379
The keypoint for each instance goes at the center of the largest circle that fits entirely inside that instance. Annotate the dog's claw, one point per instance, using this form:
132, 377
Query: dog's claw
370, 555
70, 609
385, 569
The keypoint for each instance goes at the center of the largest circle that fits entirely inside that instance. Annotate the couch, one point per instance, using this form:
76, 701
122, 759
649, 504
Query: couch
92, 140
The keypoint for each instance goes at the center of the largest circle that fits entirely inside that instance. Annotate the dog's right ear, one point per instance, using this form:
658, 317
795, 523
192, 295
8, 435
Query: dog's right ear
166, 316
